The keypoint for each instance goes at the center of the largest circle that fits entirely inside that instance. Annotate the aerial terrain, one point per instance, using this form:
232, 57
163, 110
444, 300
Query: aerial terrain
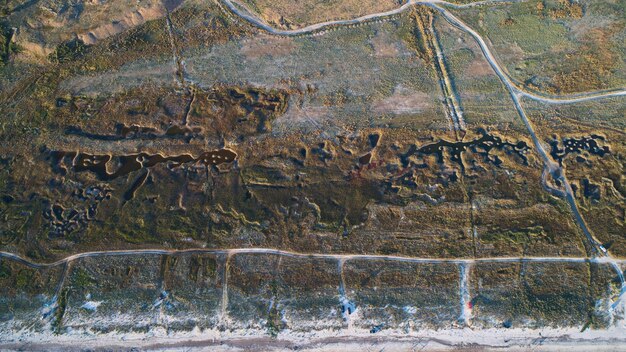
317, 175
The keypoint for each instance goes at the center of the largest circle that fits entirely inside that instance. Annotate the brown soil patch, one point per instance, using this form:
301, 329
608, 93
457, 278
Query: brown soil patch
268, 46
403, 101
384, 46
479, 67
291, 14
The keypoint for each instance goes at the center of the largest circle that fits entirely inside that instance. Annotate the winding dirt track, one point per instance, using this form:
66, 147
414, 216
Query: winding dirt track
516, 94
242, 11
551, 167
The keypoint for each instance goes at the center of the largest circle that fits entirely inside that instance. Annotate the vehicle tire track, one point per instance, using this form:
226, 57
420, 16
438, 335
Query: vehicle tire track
251, 250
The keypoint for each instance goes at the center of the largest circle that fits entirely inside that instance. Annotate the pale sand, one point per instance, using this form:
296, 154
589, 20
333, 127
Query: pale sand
467, 339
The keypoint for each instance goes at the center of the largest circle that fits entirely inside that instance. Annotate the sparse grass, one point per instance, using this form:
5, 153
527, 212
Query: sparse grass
552, 46
298, 113
535, 295
296, 14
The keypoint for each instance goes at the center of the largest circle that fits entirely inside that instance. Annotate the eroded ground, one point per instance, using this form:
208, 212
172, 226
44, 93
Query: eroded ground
185, 126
